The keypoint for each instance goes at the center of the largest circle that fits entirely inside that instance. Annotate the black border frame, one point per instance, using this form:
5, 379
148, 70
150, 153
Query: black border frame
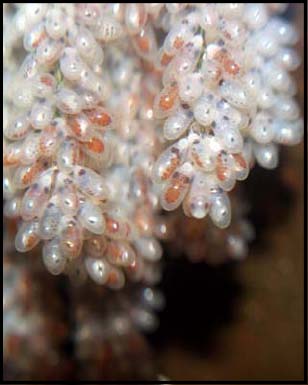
265, 382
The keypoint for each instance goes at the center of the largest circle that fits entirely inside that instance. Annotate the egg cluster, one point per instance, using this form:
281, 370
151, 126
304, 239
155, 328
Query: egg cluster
95, 93
85, 333
227, 101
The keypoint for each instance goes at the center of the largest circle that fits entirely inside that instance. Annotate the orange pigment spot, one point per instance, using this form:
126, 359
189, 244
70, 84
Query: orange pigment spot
167, 99
95, 145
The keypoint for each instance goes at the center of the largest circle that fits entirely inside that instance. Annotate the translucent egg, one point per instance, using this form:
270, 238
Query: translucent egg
168, 161
18, 129
71, 64
288, 133
288, 59
266, 155
68, 154
49, 51
255, 15
191, 87
98, 270
55, 23
177, 187
24, 95
44, 85
29, 67
34, 37
236, 94
177, 124
204, 111
49, 222
197, 201
261, 128
231, 138
70, 237
91, 218
220, 210
41, 115
120, 253
90, 182
265, 98
286, 108
68, 101
53, 258
12, 207
149, 248
202, 155
27, 236
34, 12
30, 149
108, 29
33, 202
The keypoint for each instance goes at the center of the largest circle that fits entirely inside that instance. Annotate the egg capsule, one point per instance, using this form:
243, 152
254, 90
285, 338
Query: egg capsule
71, 64
41, 115
50, 221
19, 129
108, 29
288, 133
68, 154
12, 207
220, 210
145, 43
204, 111
68, 102
96, 246
230, 137
240, 165
261, 128
225, 172
177, 124
34, 37
266, 155
175, 190
190, 87
33, 202
166, 101
48, 52
55, 23
44, 85
286, 108
25, 176
197, 201
149, 248
90, 182
168, 161
70, 237
12, 154
53, 258
30, 150
202, 155
236, 94
120, 253
98, 270
27, 236
100, 117
91, 217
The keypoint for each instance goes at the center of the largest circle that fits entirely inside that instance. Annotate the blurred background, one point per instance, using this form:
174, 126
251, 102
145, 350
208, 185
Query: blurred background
245, 320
